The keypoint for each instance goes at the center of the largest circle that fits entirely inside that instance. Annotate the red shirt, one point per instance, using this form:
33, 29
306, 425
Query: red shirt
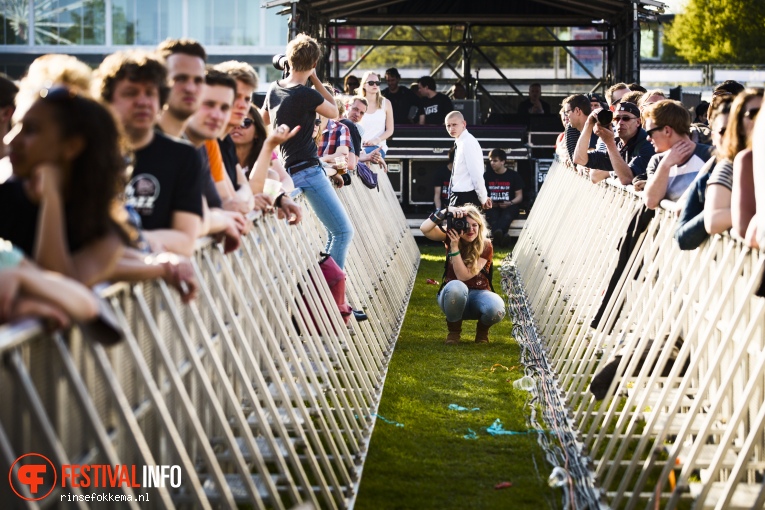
479, 281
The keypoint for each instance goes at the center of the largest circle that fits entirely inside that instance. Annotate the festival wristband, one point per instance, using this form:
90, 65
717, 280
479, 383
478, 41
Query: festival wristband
454, 254
278, 200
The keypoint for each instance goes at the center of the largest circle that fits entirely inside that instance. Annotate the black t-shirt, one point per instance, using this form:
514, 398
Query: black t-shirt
167, 177
401, 102
355, 135
294, 106
18, 217
443, 178
209, 191
502, 187
230, 159
436, 108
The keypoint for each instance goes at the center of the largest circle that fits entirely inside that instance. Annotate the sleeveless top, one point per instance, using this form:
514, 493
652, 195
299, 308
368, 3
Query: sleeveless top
374, 125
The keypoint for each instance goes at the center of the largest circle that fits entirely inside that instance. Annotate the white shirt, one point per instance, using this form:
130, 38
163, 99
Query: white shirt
469, 167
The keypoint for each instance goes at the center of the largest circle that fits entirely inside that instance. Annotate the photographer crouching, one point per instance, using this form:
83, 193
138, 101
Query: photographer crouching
466, 292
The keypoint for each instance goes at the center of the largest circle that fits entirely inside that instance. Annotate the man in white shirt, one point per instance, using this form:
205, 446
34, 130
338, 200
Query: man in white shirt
468, 186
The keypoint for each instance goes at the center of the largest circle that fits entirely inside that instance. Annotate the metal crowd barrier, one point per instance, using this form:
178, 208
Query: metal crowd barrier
257, 390
682, 423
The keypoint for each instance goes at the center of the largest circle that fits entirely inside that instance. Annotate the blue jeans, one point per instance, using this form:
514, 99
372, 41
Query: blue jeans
460, 303
370, 148
328, 208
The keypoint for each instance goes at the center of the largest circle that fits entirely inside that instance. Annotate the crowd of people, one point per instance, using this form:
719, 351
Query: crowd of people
113, 174
701, 159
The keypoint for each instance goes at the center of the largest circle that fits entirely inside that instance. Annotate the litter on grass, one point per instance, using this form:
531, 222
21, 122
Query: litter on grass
558, 477
431, 281
503, 485
525, 383
386, 420
471, 434
455, 407
495, 366
496, 429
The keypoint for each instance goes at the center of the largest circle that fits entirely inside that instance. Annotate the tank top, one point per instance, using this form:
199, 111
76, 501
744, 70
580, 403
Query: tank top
374, 125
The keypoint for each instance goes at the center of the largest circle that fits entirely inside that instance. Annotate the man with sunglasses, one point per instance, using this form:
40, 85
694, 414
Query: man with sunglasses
678, 159
626, 152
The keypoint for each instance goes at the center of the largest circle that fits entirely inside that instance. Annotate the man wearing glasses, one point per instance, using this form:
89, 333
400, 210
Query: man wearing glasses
627, 151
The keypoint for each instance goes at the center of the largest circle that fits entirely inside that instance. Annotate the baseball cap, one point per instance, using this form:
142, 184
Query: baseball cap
629, 108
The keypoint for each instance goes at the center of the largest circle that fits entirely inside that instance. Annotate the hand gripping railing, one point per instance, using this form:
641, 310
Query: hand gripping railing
257, 390
683, 419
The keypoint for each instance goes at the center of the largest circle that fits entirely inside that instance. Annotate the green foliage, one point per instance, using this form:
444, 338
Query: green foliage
383, 57
428, 463
719, 31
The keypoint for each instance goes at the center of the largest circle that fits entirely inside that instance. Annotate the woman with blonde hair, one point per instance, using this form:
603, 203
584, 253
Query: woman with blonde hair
378, 121
467, 292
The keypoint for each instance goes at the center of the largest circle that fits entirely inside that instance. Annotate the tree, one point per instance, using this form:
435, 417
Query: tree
719, 31
383, 57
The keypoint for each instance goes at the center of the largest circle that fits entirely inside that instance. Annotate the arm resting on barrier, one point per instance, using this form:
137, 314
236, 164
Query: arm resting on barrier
28, 281
717, 217
176, 270
180, 238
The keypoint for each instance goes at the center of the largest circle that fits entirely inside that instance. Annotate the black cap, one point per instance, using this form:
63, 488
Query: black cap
628, 107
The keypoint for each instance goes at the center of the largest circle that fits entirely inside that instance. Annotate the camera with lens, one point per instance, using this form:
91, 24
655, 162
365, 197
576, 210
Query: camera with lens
605, 117
459, 225
281, 63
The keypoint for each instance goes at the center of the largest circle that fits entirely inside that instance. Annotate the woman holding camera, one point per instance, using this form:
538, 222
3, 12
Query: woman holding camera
467, 292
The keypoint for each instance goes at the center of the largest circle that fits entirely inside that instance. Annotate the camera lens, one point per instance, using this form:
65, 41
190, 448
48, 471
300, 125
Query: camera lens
280, 62
605, 117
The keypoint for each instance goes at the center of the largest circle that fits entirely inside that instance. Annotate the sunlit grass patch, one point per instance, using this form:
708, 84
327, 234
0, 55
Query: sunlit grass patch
429, 463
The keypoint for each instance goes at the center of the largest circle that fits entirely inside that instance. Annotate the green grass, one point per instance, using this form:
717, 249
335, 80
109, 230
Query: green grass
427, 463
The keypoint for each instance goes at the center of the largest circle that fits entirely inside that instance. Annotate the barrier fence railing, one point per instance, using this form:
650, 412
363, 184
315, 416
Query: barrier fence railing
682, 422
257, 390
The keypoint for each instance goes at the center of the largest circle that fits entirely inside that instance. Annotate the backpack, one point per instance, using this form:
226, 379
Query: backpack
367, 176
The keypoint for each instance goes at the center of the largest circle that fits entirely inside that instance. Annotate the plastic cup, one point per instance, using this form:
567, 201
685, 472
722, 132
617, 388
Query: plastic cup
525, 383
558, 477
272, 188
340, 164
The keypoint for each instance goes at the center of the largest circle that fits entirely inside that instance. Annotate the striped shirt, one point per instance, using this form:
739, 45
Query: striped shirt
722, 174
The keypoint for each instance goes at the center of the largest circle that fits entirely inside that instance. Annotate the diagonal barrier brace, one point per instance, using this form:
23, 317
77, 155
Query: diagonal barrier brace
596, 282
258, 392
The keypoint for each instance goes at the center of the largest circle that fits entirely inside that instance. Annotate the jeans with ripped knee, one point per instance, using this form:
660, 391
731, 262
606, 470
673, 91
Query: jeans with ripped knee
460, 303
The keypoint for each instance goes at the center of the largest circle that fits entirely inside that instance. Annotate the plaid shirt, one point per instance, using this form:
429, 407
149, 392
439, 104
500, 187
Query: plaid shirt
334, 135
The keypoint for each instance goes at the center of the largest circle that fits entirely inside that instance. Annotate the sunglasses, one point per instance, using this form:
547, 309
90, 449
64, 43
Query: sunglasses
247, 122
651, 131
751, 113
623, 119
372, 83
317, 122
